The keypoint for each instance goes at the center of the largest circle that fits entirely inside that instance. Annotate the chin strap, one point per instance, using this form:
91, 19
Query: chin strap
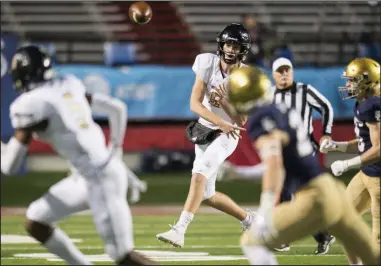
231, 63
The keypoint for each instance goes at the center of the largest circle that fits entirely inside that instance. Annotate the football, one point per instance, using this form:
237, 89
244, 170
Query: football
140, 12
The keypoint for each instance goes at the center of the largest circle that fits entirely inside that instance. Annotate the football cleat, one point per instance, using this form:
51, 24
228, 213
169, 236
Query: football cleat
282, 248
173, 237
323, 247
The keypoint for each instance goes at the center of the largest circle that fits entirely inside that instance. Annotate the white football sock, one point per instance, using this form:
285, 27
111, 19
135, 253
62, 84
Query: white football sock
185, 219
61, 245
248, 220
250, 172
258, 255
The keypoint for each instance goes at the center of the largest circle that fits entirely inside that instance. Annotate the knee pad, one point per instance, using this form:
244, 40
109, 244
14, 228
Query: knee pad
205, 167
39, 211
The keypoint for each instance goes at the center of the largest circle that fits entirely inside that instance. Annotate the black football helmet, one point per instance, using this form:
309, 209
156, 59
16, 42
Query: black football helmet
30, 66
237, 34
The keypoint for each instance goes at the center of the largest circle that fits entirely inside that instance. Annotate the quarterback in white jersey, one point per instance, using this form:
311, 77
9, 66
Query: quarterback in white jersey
216, 133
207, 67
57, 111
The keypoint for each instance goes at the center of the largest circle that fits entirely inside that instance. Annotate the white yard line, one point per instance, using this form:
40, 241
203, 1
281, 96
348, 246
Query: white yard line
193, 259
81, 246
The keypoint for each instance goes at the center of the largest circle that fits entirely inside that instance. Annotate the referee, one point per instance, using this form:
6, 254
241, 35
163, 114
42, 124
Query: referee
304, 98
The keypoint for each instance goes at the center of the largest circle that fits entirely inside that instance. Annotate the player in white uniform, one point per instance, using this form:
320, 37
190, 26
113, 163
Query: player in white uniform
211, 72
57, 111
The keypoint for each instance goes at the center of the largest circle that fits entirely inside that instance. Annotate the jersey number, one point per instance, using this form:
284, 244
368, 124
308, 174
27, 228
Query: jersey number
214, 99
360, 144
77, 111
303, 144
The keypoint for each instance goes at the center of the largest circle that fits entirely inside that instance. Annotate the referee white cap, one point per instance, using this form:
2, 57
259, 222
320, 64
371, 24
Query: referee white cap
281, 61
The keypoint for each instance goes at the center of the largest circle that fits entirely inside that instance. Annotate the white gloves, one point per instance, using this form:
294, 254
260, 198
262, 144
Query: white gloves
330, 145
340, 167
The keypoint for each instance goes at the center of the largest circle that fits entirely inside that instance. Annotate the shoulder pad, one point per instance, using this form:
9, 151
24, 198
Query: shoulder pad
369, 110
75, 83
27, 110
262, 120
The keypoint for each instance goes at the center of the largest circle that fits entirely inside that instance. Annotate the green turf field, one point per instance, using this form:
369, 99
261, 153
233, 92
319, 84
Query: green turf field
211, 239
163, 188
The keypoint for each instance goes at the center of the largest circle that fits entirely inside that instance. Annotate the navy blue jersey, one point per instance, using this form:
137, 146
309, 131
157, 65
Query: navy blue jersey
367, 111
300, 164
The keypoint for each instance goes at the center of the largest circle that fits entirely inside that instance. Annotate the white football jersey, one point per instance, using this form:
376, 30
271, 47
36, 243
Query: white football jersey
207, 67
71, 129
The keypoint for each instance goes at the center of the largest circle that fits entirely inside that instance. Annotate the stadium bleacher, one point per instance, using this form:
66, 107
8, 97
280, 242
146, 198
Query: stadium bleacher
312, 29
180, 30
79, 30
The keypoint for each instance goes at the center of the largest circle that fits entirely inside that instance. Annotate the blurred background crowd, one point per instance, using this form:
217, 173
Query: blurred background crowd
149, 66
309, 33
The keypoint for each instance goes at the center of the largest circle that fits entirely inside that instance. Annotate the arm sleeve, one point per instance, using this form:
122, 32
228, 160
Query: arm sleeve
116, 111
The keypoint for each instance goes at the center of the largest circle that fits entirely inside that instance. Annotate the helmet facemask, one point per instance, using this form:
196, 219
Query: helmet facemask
232, 57
355, 87
363, 79
234, 34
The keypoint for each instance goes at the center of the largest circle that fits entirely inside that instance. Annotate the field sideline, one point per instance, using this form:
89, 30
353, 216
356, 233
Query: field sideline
168, 188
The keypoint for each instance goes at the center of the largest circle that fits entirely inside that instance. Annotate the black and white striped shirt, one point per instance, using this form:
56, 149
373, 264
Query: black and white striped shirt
304, 98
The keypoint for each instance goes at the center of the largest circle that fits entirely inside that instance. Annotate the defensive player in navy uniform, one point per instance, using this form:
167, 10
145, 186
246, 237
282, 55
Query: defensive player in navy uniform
320, 200
363, 84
